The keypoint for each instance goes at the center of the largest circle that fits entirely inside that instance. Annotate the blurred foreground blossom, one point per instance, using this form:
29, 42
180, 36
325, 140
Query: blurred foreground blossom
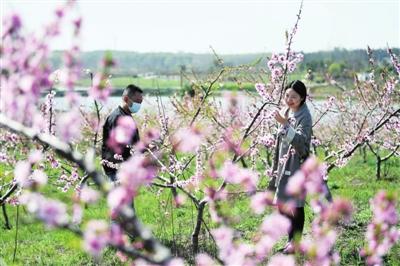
382, 233
122, 134
187, 139
234, 174
96, 237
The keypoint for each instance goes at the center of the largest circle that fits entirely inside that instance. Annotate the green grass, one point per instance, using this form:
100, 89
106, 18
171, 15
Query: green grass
146, 83
358, 183
38, 245
170, 86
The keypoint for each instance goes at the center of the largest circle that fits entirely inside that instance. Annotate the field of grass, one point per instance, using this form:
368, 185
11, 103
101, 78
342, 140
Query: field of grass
154, 83
37, 245
164, 86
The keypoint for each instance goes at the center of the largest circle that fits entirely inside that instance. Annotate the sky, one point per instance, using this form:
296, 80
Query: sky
229, 26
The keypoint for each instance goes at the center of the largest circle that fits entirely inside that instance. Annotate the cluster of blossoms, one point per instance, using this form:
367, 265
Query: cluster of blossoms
230, 142
175, 166
96, 237
65, 130
134, 173
69, 181
88, 195
150, 139
232, 101
279, 63
7, 137
331, 102
309, 180
395, 61
254, 154
394, 125
199, 165
52, 160
163, 121
348, 146
47, 110
27, 73
101, 85
187, 139
24, 74
267, 140
272, 229
319, 249
234, 174
263, 92
91, 121
110, 164
194, 181
24, 176
382, 233
51, 212
99, 234
228, 251
341, 162
367, 138
122, 134
234, 252
390, 86
389, 145
8, 142
3, 157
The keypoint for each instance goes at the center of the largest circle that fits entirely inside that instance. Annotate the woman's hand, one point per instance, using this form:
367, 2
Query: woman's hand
278, 117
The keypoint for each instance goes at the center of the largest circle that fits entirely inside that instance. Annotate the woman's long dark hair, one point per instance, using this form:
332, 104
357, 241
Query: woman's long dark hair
299, 87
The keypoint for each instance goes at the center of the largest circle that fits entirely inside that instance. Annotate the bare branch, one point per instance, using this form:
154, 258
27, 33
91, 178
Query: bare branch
391, 154
206, 95
8, 193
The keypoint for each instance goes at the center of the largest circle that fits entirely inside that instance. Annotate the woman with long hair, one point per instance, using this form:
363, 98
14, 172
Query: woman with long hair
292, 149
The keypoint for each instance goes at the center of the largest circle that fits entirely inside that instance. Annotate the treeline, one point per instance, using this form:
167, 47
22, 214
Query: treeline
131, 63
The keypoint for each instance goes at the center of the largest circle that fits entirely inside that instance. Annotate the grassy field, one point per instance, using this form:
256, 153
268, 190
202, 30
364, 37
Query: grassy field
37, 245
121, 82
165, 86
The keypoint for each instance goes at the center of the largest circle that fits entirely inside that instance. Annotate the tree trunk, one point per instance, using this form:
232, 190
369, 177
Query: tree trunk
7, 222
269, 157
378, 167
195, 235
364, 153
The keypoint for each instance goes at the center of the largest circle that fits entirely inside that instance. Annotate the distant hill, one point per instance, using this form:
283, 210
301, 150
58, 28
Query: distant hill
171, 63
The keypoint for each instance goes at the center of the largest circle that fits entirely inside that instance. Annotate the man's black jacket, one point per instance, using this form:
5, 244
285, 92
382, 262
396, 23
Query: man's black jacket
107, 153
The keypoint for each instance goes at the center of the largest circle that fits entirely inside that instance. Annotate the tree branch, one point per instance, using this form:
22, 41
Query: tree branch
376, 128
206, 95
129, 221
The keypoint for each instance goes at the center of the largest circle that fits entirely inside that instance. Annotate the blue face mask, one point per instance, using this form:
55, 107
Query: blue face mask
135, 107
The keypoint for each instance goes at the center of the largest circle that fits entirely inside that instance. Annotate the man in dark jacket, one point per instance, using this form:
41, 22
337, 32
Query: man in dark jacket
132, 98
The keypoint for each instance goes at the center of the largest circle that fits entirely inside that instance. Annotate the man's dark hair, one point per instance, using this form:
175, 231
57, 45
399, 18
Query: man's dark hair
131, 89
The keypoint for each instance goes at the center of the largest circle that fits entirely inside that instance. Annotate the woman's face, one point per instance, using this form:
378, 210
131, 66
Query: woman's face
292, 99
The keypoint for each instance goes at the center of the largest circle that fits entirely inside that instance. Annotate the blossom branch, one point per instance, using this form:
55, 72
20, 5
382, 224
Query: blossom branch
370, 133
129, 221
